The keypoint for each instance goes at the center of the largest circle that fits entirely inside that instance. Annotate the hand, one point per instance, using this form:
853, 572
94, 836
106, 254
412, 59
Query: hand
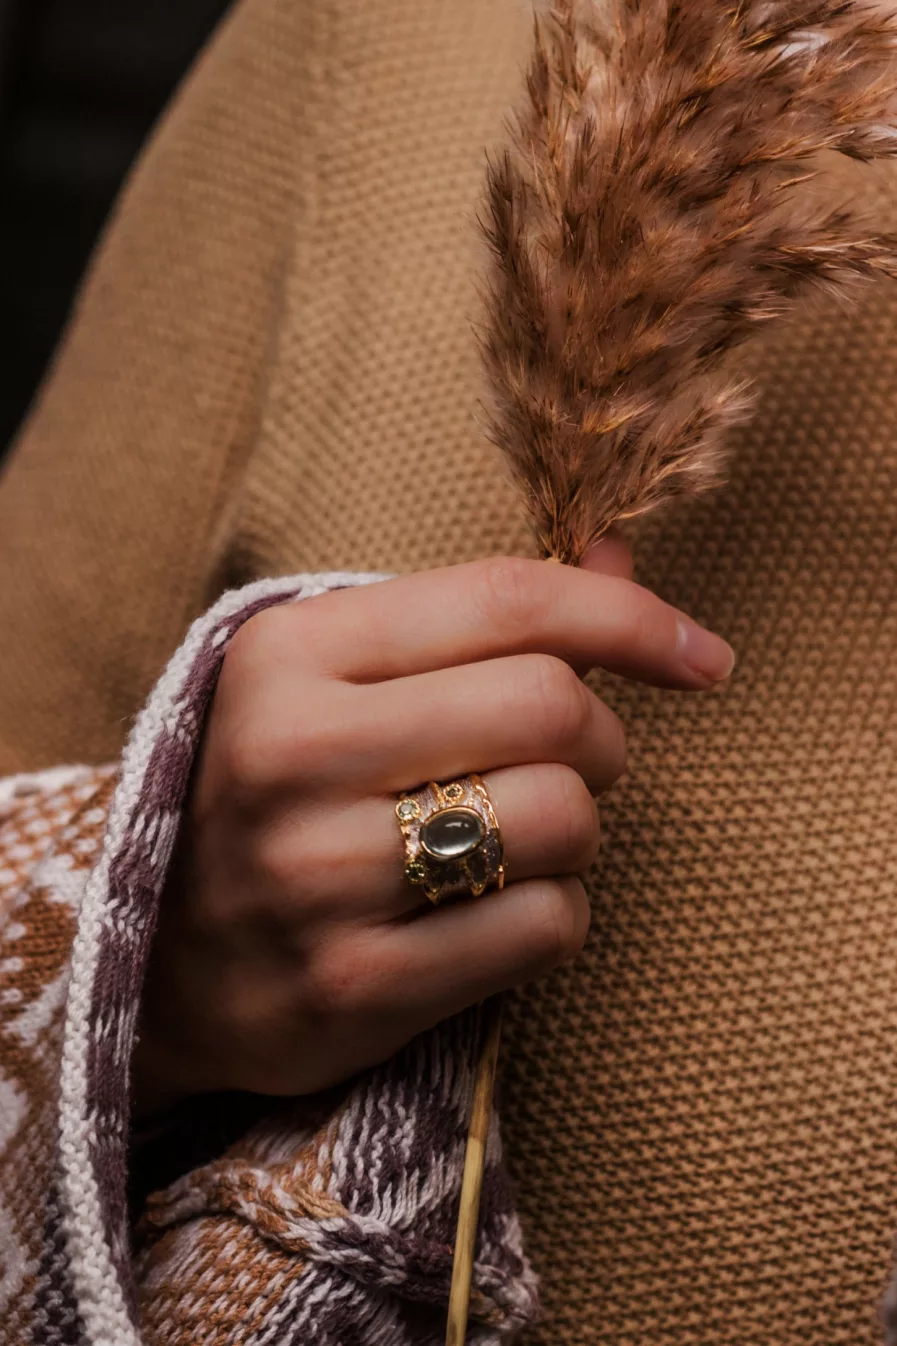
291, 950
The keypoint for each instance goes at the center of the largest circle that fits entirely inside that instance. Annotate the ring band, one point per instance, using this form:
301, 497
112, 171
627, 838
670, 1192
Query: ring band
453, 843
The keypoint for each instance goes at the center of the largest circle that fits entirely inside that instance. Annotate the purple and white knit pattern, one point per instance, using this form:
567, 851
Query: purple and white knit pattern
397, 1147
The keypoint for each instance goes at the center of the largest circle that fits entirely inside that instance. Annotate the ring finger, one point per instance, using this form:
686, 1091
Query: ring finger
349, 864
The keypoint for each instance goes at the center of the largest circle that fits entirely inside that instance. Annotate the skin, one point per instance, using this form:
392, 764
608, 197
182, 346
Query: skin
291, 951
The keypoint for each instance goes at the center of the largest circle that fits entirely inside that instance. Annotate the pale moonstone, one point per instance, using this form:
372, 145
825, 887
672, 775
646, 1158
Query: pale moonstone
452, 833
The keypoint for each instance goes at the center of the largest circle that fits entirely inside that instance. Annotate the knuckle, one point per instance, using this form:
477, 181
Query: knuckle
302, 869
644, 623
558, 920
255, 702
287, 634
510, 592
268, 745
630, 612
278, 862
309, 744
631, 627
307, 627
575, 816
558, 703
252, 645
241, 760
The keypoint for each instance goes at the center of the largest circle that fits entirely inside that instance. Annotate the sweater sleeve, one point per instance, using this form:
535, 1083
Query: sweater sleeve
326, 1221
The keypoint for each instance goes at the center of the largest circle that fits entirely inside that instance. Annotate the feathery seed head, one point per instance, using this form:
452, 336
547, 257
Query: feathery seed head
649, 215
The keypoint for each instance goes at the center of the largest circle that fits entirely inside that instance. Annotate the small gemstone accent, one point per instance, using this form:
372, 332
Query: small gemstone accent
451, 833
407, 809
416, 872
454, 792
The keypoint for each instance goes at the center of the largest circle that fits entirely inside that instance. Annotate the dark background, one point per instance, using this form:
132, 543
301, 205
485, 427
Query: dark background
81, 83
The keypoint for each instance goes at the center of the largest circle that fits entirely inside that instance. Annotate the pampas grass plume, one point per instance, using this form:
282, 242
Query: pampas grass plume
650, 213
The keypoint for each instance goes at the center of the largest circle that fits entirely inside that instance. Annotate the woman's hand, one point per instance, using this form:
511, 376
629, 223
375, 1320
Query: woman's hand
291, 950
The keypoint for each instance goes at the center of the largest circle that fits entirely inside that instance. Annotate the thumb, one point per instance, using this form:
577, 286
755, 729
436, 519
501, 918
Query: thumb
610, 556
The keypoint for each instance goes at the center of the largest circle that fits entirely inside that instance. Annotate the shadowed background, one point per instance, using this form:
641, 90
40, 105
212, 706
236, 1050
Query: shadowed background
81, 83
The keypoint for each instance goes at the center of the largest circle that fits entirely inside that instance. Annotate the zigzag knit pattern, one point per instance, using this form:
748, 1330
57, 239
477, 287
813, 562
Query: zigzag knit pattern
326, 1230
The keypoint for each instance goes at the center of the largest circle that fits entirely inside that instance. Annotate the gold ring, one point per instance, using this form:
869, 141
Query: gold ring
453, 843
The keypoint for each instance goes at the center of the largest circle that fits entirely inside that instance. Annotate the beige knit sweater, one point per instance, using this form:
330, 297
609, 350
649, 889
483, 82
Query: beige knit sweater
271, 370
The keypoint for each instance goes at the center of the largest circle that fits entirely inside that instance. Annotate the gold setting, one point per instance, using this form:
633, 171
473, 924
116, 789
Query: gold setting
471, 873
407, 810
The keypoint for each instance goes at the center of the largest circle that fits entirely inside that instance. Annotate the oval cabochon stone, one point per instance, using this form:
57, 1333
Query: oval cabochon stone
451, 833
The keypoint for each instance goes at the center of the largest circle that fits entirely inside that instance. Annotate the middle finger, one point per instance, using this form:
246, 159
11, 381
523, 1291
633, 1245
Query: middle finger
391, 736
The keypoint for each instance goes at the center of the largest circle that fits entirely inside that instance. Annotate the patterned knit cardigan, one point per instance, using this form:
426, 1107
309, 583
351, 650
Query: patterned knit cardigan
328, 1225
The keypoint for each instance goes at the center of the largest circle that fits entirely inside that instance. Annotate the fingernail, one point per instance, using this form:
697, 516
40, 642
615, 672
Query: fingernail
707, 655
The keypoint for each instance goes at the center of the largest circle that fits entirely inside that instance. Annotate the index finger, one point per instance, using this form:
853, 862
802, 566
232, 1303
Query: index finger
505, 605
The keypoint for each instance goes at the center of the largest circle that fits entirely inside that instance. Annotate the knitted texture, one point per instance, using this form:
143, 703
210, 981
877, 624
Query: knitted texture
283, 302
272, 370
327, 1231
